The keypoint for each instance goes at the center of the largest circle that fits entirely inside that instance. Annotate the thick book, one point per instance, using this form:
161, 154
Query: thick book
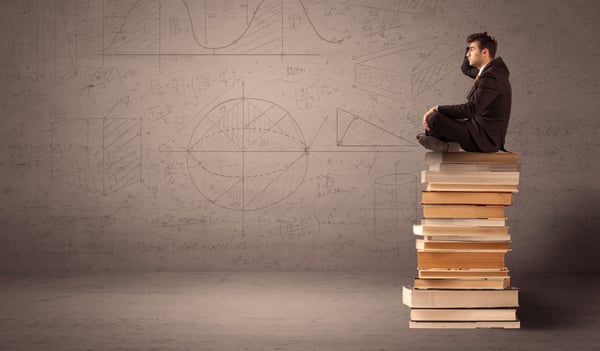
459, 260
465, 325
463, 314
462, 273
466, 198
458, 230
472, 157
492, 246
444, 298
463, 211
471, 283
472, 187
457, 177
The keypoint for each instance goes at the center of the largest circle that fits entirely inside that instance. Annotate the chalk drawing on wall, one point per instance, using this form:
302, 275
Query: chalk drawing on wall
44, 43
423, 7
98, 155
244, 154
184, 27
353, 130
395, 207
380, 73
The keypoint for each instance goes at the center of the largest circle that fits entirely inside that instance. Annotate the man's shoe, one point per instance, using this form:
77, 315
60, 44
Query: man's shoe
420, 135
434, 144
453, 147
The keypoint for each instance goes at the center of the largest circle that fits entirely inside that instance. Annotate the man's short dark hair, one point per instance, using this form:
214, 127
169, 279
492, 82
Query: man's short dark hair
486, 41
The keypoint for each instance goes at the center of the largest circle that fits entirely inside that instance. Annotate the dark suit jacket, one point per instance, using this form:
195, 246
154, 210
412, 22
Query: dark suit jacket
488, 105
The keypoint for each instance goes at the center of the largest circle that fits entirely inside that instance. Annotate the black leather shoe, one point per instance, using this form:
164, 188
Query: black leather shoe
437, 145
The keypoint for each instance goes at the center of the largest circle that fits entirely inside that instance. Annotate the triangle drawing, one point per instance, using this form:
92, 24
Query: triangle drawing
353, 130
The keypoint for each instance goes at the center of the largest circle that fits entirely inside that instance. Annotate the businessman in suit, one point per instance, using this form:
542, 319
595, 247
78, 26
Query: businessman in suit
480, 124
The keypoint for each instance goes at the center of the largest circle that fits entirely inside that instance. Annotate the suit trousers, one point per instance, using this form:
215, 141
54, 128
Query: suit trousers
449, 129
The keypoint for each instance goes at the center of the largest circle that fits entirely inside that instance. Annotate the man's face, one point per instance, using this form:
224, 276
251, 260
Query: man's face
475, 55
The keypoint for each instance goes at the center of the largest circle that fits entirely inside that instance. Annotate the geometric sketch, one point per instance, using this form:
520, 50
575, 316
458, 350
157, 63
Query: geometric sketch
184, 27
387, 73
353, 130
395, 207
421, 7
45, 40
99, 155
246, 154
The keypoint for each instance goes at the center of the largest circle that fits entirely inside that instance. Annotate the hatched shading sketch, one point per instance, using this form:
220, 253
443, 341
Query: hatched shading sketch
422, 7
184, 27
380, 72
245, 154
49, 51
353, 130
99, 155
395, 209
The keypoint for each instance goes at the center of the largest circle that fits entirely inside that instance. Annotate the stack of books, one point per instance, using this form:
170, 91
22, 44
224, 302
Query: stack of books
462, 278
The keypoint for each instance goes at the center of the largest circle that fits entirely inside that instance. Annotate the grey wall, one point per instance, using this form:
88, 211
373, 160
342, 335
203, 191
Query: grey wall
277, 135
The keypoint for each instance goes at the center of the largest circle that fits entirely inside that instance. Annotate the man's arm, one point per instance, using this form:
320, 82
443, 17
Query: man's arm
467, 69
485, 93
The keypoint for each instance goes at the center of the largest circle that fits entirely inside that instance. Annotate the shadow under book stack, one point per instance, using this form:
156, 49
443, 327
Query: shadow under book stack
462, 278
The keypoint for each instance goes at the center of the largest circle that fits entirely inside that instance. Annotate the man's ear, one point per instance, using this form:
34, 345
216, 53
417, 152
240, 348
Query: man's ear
485, 51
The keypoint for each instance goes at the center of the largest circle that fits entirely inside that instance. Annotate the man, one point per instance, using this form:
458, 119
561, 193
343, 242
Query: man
480, 124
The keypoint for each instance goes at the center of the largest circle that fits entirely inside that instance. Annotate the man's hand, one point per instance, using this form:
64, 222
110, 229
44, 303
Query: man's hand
426, 115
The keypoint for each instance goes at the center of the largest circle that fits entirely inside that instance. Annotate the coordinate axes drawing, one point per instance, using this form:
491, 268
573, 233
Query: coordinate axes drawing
245, 154
185, 27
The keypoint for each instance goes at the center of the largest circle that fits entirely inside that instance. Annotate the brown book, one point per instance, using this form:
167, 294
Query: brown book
465, 198
463, 211
502, 246
472, 157
472, 187
459, 260
479, 283
462, 273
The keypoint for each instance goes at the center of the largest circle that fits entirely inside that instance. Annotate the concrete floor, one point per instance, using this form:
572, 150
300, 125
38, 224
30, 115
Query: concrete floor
273, 311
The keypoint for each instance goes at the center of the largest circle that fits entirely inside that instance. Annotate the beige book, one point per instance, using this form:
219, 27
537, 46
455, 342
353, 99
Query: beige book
462, 273
465, 325
432, 298
458, 177
465, 198
472, 157
463, 283
463, 314
471, 187
433, 230
492, 246
465, 222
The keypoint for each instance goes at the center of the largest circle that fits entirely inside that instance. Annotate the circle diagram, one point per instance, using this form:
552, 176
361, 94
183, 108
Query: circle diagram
247, 154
